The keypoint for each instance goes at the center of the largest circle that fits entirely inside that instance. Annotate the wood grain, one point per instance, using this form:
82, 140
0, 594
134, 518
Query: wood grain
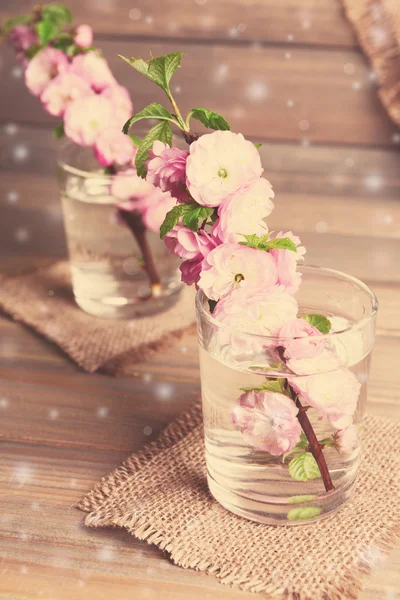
317, 22
250, 86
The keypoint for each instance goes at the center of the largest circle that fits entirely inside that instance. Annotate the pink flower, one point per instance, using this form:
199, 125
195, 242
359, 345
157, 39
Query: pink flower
316, 365
334, 395
303, 341
231, 266
155, 207
347, 439
245, 211
43, 67
113, 147
83, 36
87, 117
191, 269
286, 263
94, 69
166, 168
120, 98
268, 421
62, 90
22, 37
255, 312
220, 164
188, 244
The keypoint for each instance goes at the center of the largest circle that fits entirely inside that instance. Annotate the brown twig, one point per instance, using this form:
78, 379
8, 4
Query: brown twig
134, 221
190, 137
315, 446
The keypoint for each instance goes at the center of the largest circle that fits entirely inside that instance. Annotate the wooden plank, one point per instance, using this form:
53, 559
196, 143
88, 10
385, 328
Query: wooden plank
319, 22
265, 92
61, 559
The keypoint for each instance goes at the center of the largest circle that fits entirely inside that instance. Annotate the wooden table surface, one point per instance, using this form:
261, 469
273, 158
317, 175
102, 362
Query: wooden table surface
288, 73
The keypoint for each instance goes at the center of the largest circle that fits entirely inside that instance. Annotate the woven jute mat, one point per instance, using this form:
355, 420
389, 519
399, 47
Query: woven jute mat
377, 25
43, 300
160, 495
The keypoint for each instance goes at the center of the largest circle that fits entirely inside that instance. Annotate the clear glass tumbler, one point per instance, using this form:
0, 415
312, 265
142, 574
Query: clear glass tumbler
328, 391
108, 277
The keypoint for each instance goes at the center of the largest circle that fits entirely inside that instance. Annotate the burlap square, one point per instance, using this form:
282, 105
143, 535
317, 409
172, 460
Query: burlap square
43, 300
160, 495
377, 25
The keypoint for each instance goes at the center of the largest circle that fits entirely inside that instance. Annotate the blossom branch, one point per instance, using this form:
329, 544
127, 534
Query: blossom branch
315, 446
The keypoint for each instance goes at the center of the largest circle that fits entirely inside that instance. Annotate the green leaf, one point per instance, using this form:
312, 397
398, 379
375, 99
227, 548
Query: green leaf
272, 385
304, 513
58, 13
320, 322
303, 437
152, 111
162, 68
210, 119
159, 70
257, 145
33, 50
304, 467
172, 219
300, 499
58, 131
193, 215
12, 22
161, 131
299, 447
46, 30
262, 242
135, 139
212, 304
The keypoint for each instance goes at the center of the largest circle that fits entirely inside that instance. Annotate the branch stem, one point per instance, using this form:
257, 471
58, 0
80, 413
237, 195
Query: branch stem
315, 446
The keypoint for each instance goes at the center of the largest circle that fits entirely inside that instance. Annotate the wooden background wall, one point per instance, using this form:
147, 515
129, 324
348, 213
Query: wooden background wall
288, 73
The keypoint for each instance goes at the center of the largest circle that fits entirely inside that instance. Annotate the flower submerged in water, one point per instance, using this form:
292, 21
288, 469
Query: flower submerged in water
268, 421
347, 439
300, 339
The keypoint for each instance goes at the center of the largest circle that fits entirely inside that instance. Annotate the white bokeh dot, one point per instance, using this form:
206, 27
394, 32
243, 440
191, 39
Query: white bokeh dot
349, 69
321, 227
35, 506
147, 431
349, 162
257, 90
135, 14
178, 89
184, 349
22, 235
241, 27
305, 142
290, 37
147, 377
105, 554
163, 391
306, 23
221, 72
233, 32
11, 129
24, 570
201, 2
20, 152
388, 220
149, 20
54, 414
356, 85
4, 402
50, 293
304, 125
373, 182
288, 55
102, 412
396, 138
12, 197
22, 474
17, 72
290, 103
372, 76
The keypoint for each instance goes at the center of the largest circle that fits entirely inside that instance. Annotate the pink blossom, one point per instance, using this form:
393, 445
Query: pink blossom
245, 211
220, 164
254, 312
334, 395
347, 439
155, 207
191, 269
83, 36
43, 67
323, 362
151, 202
286, 263
94, 69
22, 37
87, 117
188, 244
166, 168
268, 421
300, 339
122, 102
231, 266
62, 90
113, 147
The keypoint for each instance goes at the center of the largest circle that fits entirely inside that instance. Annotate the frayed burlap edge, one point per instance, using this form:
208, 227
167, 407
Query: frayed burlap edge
383, 50
178, 552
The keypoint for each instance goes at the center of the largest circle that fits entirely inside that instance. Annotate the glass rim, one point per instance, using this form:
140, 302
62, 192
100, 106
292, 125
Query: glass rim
63, 164
359, 324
